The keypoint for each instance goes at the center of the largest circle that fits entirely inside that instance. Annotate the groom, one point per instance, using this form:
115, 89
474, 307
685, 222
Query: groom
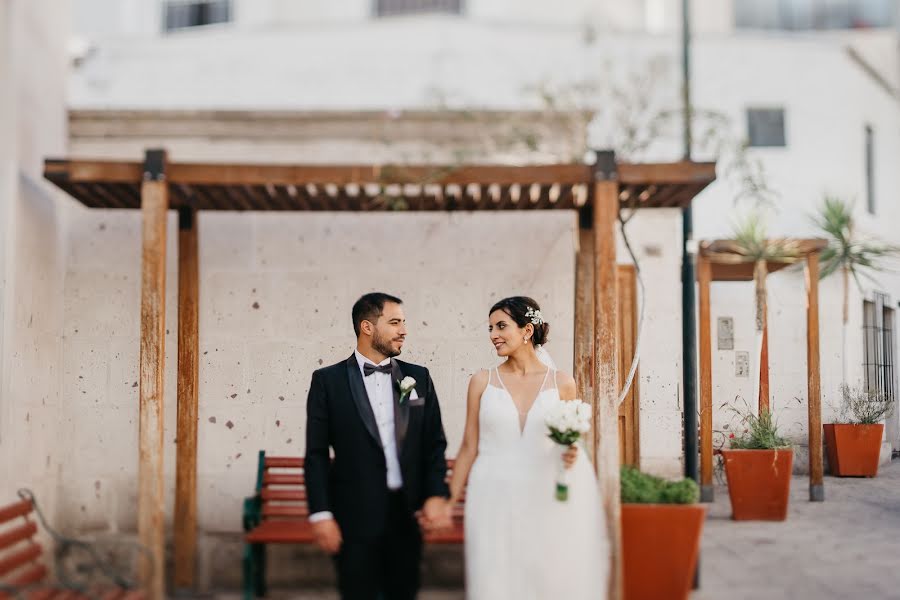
381, 418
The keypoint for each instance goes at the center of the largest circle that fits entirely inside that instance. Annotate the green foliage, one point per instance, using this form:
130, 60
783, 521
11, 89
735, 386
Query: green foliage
760, 432
845, 250
640, 488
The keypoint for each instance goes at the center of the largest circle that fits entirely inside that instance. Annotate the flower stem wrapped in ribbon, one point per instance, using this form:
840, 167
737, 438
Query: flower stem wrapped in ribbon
567, 421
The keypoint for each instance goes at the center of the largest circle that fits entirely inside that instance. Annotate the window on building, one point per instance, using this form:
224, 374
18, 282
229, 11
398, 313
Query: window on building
765, 127
181, 14
390, 8
814, 14
878, 329
870, 169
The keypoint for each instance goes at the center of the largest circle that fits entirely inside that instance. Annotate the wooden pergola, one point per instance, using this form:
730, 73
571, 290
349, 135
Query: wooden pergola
716, 262
596, 191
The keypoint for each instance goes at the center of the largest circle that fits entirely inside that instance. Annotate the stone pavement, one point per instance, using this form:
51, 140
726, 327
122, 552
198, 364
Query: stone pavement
844, 548
847, 547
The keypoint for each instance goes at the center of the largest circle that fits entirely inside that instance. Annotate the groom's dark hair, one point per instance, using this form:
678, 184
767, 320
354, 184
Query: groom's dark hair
369, 307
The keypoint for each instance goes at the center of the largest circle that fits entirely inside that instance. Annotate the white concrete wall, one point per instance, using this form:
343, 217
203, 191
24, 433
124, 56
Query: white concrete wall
276, 292
32, 125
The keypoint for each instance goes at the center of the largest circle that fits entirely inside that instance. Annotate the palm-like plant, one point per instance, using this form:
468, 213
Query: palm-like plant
750, 244
849, 254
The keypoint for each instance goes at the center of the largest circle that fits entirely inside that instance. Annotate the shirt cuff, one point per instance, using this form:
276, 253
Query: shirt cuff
322, 515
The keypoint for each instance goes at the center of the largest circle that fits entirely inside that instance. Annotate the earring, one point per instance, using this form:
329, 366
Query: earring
526, 340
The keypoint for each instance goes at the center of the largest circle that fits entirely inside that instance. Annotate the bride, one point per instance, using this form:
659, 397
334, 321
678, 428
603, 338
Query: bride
520, 541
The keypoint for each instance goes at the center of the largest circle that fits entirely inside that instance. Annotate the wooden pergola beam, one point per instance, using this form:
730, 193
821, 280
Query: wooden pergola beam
813, 374
151, 506
606, 360
704, 277
185, 522
75, 171
584, 317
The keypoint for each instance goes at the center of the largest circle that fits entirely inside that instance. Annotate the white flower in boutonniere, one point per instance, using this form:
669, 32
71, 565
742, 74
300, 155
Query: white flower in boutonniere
406, 387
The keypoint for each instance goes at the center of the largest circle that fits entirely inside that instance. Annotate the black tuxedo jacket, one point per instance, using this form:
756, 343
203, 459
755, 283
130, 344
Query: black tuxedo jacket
354, 485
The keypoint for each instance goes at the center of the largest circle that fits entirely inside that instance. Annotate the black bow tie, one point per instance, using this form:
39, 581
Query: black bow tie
369, 368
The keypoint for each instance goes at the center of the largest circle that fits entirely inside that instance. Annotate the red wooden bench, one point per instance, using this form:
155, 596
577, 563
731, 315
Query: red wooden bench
278, 514
23, 575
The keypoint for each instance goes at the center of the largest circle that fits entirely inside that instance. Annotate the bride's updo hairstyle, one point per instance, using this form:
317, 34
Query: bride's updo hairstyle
524, 310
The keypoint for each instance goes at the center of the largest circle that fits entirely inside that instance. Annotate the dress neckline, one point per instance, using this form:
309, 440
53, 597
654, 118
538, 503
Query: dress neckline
523, 423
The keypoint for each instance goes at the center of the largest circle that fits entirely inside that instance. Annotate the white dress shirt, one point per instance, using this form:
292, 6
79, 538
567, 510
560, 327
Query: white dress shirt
380, 390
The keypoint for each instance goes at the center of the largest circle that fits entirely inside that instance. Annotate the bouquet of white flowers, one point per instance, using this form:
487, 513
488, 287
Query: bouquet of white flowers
567, 420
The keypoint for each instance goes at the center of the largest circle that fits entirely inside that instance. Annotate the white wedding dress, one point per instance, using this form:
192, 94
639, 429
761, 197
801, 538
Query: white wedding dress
520, 542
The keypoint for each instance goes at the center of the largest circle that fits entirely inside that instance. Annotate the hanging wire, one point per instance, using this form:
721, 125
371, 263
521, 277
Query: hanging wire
640, 326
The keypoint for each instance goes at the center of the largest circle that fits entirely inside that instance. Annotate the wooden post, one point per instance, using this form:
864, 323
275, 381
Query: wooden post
816, 468
154, 206
185, 529
584, 317
764, 370
606, 377
704, 278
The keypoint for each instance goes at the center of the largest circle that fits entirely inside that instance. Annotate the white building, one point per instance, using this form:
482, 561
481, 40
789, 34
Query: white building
437, 81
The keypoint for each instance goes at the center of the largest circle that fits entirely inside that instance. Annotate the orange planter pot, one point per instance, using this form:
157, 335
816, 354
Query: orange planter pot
660, 543
853, 450
759, 482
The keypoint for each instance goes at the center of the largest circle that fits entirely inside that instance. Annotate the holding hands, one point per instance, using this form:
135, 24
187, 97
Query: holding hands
436, 514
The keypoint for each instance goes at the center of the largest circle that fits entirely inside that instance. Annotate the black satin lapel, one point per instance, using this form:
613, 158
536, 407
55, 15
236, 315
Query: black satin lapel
361, 398
401, 410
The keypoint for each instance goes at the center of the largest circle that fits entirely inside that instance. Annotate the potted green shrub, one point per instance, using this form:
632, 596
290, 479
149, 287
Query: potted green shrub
853, 441
661, 527
758, 469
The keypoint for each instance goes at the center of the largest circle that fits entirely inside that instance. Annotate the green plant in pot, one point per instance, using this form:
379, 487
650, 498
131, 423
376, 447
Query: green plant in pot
758, 467
853, 441
661, 528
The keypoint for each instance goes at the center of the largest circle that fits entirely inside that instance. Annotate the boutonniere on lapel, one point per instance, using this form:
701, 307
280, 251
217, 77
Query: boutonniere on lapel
406, 385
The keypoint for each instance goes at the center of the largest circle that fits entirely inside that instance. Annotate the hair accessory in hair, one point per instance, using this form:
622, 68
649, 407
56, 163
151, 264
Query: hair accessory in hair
537, 318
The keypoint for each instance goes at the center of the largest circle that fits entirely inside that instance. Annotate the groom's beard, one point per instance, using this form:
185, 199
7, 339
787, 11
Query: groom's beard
383, 345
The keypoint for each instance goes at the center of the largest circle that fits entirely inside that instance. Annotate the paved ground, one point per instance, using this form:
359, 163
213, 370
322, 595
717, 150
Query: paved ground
847, 547
844, 548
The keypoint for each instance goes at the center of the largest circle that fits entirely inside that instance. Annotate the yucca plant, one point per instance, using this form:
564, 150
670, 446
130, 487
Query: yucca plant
750, 244
850, 254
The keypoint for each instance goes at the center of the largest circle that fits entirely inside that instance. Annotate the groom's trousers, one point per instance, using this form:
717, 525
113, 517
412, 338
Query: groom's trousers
385, 567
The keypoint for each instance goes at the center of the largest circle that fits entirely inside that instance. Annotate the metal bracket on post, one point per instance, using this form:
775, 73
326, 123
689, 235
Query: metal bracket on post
604, 167
707, 493
155, 165
185, 218
817, 493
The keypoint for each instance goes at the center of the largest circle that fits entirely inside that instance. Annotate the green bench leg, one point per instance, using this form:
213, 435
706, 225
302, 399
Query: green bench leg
259, 558
254, 571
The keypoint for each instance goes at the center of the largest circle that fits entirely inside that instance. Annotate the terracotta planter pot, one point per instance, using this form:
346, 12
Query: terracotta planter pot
853, 450
660, 543
758, 483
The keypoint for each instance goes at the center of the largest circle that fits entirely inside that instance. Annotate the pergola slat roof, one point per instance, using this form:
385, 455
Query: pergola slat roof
107, 184
728, 266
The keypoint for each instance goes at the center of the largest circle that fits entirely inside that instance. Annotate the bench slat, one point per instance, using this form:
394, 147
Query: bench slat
284, 462
274, 510
283, 479
17, 535
11, 511
16, 560
284, 495
33, 574
282, 532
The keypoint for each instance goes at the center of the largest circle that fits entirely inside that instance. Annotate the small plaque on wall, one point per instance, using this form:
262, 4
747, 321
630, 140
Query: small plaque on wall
726, 333
741, 364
